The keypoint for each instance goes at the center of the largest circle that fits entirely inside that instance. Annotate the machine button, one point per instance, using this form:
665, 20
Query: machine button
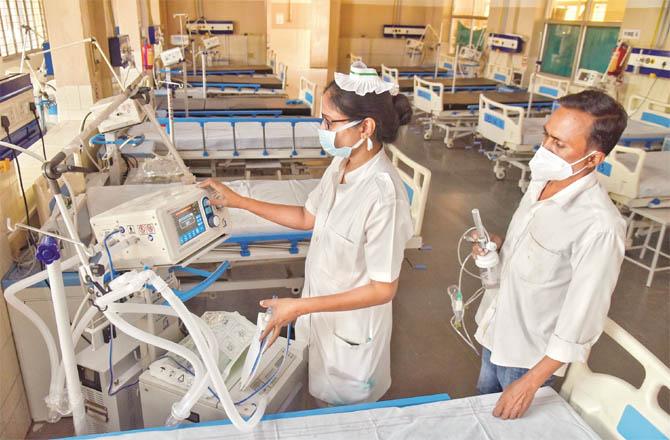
205, 202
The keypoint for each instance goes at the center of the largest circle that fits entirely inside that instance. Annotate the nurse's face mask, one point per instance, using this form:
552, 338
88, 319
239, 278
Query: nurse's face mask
327, 139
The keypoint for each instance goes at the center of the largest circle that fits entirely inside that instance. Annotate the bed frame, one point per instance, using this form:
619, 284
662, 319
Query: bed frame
622, 183
614, 408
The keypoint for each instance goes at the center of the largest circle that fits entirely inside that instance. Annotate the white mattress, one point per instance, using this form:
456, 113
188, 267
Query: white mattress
549, 417
248, 135
655, 175
639, 129
285, 192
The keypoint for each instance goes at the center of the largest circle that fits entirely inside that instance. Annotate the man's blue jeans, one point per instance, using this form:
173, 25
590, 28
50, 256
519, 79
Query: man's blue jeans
494, 379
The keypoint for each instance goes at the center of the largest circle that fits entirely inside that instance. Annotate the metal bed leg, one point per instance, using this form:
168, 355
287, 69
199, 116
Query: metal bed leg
650, 231
657, 251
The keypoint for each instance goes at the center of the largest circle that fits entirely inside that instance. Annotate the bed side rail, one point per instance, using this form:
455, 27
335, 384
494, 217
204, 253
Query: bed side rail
417, 183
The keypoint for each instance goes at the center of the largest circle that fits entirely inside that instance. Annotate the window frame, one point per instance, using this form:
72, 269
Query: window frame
583, 24
26, 9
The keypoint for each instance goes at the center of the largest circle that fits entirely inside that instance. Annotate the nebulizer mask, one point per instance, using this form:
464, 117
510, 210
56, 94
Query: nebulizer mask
489, 274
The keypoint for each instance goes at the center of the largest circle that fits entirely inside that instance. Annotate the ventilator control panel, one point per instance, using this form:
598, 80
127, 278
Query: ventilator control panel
161, 228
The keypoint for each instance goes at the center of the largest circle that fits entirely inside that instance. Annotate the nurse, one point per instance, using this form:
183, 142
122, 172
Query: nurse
360, 217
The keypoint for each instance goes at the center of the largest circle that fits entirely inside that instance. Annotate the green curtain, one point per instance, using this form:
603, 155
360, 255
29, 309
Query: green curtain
463, 36
598, 45
559, 49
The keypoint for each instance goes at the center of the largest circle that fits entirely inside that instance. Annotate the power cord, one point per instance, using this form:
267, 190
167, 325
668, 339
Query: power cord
33, 109
4, 121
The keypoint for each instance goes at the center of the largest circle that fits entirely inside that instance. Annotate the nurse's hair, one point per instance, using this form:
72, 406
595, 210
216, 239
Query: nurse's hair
389, 112
609, 117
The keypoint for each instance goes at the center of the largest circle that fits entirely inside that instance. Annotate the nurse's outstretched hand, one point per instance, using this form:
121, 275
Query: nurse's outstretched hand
515, 400
284, 311
224, 196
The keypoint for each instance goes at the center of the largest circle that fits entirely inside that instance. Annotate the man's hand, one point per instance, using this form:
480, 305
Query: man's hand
226, 196
284, 310
477, 250
516, 398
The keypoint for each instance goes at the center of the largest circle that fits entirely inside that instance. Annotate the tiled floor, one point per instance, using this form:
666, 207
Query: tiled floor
427, 356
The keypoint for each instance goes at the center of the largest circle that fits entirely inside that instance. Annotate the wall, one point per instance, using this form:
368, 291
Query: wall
246, 46
14, 414
521, 17
643, 15
361, 27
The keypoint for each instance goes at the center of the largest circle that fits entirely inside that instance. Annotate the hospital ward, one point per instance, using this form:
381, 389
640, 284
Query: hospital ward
335, 219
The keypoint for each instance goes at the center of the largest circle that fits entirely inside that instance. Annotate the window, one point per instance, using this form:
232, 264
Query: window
568, 10
468, 23
559, 50
14, 14
577, 35
597, 48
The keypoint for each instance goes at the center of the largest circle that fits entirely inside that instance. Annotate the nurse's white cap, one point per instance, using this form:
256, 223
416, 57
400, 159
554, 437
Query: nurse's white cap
363, 80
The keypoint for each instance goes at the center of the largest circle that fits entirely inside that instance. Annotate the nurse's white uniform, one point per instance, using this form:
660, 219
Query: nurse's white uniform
359, 235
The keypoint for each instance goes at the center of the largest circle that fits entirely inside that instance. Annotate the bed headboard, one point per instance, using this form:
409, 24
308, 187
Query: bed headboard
307, 93
548, 86
507, 75
390, 74
649, 111
500, 123
416, 178
271, 57
616, 177
428, 96
282, 73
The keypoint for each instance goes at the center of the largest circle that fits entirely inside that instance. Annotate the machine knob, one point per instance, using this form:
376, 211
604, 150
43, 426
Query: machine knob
214, 221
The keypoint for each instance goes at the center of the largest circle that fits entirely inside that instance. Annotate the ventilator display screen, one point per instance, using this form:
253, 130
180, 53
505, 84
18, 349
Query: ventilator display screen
189, 222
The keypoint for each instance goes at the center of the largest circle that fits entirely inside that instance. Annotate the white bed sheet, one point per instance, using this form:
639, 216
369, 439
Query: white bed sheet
285, 192
248, 135
549, 417
655, 174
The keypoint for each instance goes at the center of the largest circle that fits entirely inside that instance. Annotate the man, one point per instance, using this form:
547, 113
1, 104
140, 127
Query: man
560, 259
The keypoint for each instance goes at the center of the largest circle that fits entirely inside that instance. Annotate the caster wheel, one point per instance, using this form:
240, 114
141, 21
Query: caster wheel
449, 143
523, 186
427, 136
500, 174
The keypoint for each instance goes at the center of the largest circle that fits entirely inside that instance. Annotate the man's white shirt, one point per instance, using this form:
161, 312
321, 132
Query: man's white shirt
560, 264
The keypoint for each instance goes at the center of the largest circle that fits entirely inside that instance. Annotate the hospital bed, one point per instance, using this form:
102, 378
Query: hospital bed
217, 85
253, 240
648, 122
614, 408
427, 417
513, 132
637, 178
249, 230
457, 113
496, 76
237, 105
245, 105
218, 138
232, 69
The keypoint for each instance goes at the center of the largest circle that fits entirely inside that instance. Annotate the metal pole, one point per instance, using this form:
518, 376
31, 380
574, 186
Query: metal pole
453, 77
204, 75
69, 361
